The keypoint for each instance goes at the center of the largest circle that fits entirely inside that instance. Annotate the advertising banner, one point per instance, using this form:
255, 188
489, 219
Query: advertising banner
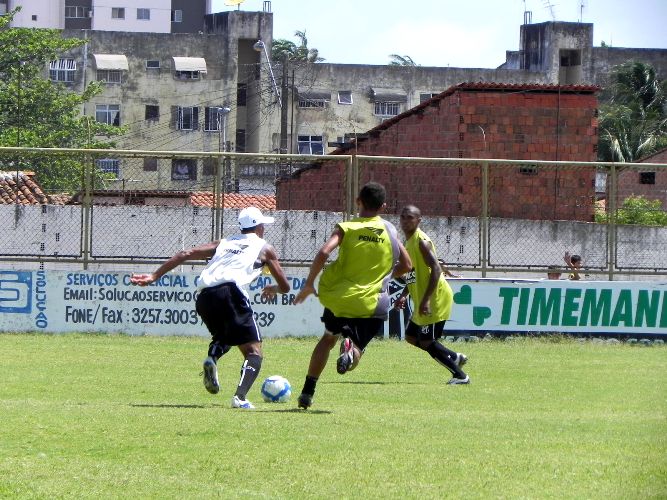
60, 301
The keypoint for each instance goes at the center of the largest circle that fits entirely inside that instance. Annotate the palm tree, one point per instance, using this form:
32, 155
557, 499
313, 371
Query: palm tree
633, 116
397, 60
294, 52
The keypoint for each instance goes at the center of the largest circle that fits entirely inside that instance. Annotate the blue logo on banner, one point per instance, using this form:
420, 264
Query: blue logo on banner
15, 292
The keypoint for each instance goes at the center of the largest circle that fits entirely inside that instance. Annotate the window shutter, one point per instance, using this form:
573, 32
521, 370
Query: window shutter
174, 117
195, 118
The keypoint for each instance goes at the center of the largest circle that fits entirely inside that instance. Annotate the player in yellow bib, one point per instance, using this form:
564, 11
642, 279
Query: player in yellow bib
354, 288
432, 297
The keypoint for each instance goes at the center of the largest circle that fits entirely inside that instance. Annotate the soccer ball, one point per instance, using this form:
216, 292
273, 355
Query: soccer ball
276, 389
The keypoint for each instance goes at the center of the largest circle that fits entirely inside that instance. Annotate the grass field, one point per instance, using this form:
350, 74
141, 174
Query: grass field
94, 416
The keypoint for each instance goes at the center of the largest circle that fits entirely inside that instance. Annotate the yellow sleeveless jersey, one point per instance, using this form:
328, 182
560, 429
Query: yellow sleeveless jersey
417, 280
355, 284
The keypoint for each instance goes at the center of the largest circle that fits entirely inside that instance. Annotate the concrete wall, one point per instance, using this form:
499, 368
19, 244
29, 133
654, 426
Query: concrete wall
151, 232
38, 13
159, 22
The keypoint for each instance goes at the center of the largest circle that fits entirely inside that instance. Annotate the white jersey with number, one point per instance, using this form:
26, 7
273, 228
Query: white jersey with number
235, 261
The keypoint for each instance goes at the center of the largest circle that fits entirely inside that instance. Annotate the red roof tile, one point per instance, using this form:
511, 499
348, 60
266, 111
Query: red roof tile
234, 200
25, 192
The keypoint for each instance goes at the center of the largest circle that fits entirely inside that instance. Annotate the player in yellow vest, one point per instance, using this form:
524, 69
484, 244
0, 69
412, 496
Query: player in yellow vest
354, 288
432, 297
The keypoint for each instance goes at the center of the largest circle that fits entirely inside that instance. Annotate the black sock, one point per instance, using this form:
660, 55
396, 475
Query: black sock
439, 353
249, 371
309, 385
216, 350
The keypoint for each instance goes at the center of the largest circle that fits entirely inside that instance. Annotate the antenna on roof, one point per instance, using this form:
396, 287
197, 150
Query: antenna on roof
231, 3
550, 6
582, 4
527, 15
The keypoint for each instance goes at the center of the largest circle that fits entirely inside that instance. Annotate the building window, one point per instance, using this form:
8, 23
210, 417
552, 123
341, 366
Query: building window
144, 14
117, 12
187, 118
186, 75
76, 12
211, 119
34, 17
153, 64
208, 167
646, 177
109, 76
312, 103
109, 166
241, 94
150, 164
184, 169
528, 170
426, 96
383, 108
152, 112
240, 140
311, 145
344, 97
108, 113
176, 16
62, 70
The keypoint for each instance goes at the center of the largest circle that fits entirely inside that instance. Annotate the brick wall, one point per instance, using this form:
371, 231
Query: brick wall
516, 122
642, 183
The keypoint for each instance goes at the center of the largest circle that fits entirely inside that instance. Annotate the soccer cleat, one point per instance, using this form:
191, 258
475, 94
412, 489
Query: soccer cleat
346, 357
459, 381
305, 401
461, 359
242, 403
211, 376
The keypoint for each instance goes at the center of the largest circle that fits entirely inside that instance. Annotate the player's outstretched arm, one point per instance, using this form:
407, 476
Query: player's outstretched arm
196, 253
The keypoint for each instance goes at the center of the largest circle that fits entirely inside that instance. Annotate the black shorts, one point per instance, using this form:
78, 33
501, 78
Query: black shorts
227, 314
360, 330
425, 332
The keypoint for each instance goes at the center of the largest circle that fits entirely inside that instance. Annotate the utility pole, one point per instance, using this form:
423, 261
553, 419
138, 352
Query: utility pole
284, 86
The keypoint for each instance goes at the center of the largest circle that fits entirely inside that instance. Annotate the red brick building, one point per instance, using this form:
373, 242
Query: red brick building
473, 120
650, 183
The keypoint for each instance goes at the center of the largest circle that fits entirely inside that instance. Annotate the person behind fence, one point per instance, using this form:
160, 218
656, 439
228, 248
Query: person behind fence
354, 288
223, 301
432, 297
574, 262
553, 273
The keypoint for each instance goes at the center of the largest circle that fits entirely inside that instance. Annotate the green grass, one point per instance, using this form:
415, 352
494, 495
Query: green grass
95, 416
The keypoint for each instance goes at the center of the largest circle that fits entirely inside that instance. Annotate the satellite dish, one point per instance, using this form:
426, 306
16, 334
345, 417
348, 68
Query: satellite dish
231, 3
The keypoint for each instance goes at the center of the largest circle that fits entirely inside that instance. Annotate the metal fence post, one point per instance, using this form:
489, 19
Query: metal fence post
218, 201
352, 186
87, 209
611, 222
484, 221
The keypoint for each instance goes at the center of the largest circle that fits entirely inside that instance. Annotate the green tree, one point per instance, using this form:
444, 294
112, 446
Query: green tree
36, 112
397, 60
633, 114
294, 52
637, 210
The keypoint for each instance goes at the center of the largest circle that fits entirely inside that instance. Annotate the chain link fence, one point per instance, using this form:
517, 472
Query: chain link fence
88, 209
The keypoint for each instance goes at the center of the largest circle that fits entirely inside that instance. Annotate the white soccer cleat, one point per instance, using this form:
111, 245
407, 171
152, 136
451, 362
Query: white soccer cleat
242, 403
461, 359
459, 381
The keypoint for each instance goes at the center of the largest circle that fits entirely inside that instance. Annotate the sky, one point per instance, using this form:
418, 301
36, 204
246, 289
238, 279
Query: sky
465, 34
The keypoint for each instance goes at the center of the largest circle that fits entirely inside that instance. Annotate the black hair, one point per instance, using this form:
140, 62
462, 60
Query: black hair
575, 258
372, 195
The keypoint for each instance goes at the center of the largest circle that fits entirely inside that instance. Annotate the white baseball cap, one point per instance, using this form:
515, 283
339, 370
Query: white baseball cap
251, 217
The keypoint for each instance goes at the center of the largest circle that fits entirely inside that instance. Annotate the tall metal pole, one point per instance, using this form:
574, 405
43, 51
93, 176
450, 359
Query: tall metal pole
283, 106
